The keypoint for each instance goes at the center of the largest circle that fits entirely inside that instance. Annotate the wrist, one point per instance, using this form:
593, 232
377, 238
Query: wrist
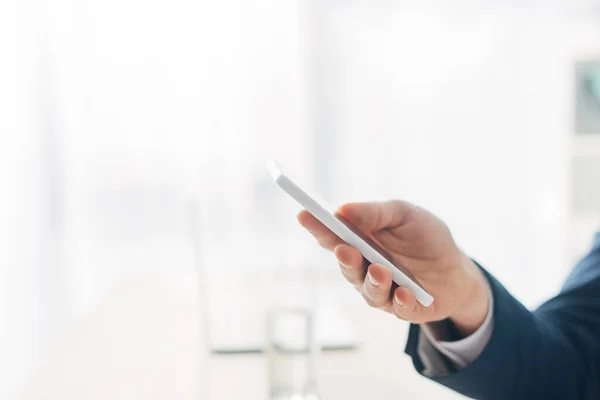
471, 312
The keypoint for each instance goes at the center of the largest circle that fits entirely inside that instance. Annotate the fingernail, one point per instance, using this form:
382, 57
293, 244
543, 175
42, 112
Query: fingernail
345, 266
398, 301
372, 280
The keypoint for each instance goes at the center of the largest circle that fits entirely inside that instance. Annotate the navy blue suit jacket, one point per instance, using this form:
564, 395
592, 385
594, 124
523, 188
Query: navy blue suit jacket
550, 353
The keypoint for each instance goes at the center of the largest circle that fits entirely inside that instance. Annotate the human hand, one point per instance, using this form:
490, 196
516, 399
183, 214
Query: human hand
422, 244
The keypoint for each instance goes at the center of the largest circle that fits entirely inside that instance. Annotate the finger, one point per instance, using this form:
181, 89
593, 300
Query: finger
352, 264
324, 236
377, 285
375, 216
405, 306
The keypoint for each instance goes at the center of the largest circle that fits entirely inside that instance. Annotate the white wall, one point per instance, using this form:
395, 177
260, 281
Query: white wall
467, 112
120, 111
158, 100
22, 223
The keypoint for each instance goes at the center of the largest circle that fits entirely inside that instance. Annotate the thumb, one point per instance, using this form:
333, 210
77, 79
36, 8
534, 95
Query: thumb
375, 216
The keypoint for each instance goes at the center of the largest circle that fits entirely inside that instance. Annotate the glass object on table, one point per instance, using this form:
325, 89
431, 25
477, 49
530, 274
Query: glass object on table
292, 348
203, 353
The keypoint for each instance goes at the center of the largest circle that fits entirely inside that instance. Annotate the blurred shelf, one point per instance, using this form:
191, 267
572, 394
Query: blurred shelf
585, 146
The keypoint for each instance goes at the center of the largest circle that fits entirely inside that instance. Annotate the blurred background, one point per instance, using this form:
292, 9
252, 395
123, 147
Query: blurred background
140, 229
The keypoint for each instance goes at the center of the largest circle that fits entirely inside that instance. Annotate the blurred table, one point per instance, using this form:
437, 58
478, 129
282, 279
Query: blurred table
144, 343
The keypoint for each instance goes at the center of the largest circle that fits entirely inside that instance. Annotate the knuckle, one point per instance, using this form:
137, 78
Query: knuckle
398, 310
399, 314
370, 301
323, 244
374, 292
350, 276
412, 313
328, 243
402, 317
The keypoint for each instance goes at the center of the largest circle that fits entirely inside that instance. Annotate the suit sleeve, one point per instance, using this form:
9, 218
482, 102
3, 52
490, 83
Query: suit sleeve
550, 353
459, 353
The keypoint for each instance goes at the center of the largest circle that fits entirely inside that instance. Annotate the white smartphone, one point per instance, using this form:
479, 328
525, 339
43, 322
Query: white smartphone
349, 234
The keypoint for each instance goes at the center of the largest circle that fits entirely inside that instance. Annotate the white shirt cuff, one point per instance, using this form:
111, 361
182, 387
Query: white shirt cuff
460, 353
